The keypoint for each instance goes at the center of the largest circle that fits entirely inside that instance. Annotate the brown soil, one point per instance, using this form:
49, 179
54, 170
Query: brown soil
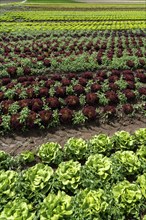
16, 143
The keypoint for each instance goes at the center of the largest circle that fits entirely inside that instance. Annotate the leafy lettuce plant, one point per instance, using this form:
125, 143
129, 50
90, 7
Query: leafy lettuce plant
26, 157
50, 153
18, 209
125, 163
67, 175
75, 148
8, 183
96, 172
140, 137
122, 140
127, 199
5, 160
55, 207
38, 178
141, 153
89, 204
100, 144
141, 180
3, 155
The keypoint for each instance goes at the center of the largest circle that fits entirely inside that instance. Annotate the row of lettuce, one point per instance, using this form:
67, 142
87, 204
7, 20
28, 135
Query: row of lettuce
38, 102
67, 25
102, 178
62, 51
71, 15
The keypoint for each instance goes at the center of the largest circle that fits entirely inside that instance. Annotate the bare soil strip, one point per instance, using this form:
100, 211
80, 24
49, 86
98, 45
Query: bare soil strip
17, 143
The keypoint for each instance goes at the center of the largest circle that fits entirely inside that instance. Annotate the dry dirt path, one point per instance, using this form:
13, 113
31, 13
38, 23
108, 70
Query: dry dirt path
16, 143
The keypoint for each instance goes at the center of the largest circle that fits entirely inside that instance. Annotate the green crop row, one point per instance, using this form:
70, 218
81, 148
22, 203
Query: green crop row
90, 25
72, 15
102, 178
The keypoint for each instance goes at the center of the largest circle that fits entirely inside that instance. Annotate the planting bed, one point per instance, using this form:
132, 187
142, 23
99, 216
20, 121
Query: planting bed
48, 82
66, 76
102, 178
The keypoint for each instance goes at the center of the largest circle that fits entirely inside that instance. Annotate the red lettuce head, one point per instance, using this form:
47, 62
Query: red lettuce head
56, 77
116, 72
95, 87
66, 82
91, 99
141, 77
26, 70
66, 115
45, 116
25, 103
5, 105
90, 112
15, 122
130, 95
128, 77
87, 75
1, 96
5, 81
49, 83
130, 85
60, 91
36, 104
113, 86
12, 70
30, 93
142, 91
126, 72
130, 63
22, 79
53, 102
113, 78
72, 76
79, 89
127, 108
72, 101
47, 63
112, 96
83, 81
43, 92
30, 121
110, 110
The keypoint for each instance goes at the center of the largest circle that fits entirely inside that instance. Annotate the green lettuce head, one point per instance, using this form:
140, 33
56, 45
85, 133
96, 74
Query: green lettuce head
75, 148
122, 140
141, 153
89, 204
67, 175
140, 136
127, 197
125, 163
18, 209
96, 171
55, 207
100, 144
50, 153
39, 177
5, 160
8, 185
141, 180
27, 157
3, 155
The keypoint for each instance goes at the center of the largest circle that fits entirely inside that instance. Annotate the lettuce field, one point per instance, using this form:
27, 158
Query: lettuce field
68, 66
102, 178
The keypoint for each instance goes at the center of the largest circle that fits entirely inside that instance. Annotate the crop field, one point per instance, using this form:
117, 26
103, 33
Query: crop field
72, 111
